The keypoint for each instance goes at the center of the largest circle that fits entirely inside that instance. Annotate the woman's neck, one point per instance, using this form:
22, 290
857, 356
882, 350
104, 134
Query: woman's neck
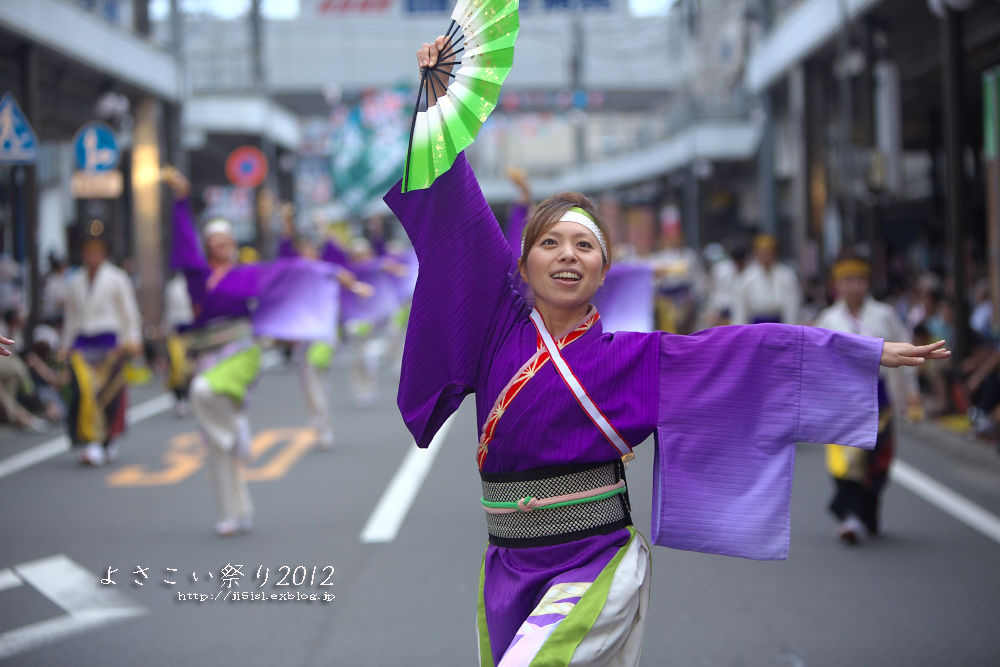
560, 321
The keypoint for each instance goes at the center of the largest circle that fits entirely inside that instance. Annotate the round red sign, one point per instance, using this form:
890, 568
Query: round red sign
246, 167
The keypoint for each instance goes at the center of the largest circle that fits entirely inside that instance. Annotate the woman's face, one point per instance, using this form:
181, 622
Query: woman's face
565, 266
221, 247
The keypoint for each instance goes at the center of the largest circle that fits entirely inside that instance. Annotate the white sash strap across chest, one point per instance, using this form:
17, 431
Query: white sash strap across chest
588, 405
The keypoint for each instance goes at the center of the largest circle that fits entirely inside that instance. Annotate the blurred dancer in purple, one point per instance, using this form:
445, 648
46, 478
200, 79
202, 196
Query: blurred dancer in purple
227, 358
560, 404
294, 301
313, 359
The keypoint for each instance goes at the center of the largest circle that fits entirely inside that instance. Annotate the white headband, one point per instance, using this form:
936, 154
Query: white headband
218, 226
581, 217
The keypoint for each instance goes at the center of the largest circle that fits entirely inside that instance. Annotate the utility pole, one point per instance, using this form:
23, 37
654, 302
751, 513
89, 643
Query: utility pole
953, 72
765, 157
847, 174
266, 193
576, 85
991, 158
29, 186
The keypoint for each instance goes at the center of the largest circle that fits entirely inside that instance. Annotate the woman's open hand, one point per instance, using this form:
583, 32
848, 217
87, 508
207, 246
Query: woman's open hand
895, 355
4, 344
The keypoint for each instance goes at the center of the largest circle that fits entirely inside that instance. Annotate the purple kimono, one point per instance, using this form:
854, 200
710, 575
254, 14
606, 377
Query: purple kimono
726, 405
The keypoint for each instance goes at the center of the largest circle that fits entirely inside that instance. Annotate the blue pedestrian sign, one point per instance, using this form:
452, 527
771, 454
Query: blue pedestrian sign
18, 144
95, 148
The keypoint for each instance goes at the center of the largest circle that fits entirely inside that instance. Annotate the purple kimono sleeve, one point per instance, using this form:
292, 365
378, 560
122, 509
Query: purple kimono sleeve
298, 299
733, 401
462, 283
185, 251
625, 300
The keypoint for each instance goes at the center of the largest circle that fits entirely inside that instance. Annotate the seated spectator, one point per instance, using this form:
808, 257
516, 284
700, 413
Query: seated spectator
48, 375
14, 381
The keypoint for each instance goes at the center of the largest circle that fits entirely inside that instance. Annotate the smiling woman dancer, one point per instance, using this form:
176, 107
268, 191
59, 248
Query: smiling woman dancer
565, 577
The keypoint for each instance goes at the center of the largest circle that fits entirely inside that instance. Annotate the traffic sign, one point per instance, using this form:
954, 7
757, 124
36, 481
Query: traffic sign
96, 148
246, 167
18, 144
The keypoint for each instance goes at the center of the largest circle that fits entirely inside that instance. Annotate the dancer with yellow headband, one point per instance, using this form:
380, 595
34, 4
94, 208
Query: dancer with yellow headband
860, 476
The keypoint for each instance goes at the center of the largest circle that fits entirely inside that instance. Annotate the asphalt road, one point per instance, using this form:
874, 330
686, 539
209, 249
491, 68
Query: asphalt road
926, 593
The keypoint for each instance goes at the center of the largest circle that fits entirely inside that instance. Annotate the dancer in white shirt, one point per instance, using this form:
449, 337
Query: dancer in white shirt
768, 291
101, 330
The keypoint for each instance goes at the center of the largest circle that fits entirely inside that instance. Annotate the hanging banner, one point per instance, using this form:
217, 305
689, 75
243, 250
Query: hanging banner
337, 8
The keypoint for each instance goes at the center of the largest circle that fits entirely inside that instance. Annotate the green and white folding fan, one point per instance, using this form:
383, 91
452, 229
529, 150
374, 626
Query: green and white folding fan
481, 42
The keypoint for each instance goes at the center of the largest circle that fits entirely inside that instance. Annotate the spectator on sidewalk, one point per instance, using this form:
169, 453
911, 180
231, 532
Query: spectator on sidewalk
54, 291
48, 375
15, 381
723, 273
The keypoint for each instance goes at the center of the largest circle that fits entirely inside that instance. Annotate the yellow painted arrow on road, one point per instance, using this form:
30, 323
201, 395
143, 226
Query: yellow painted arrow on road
184, 457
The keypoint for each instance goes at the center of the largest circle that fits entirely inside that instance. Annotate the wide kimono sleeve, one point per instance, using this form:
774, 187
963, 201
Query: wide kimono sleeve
185, 250
297, 299
463, 282
733, 401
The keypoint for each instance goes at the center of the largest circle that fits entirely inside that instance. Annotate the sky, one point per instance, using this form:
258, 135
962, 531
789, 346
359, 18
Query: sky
286, 9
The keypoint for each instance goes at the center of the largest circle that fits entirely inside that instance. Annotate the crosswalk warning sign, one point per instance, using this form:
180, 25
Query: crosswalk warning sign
18, 144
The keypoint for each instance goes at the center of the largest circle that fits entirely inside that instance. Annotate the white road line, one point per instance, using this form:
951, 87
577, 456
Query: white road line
946, 500
147, 409
60, 444
384, 523
42, 633
76, 591
8, 579
72, 588
33, 455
